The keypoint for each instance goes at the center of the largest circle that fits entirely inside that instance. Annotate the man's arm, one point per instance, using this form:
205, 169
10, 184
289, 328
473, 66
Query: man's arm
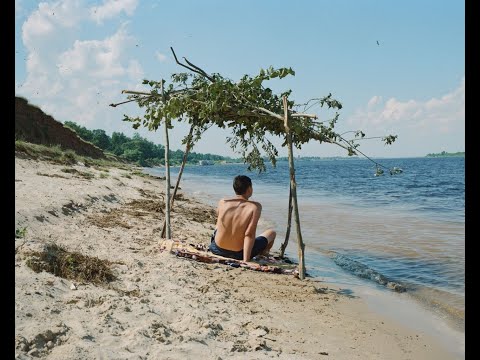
250, 232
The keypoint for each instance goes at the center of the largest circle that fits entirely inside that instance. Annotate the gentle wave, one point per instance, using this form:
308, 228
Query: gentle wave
363, 271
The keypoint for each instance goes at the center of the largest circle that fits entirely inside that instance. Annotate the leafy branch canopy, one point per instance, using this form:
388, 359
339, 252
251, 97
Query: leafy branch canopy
247, 107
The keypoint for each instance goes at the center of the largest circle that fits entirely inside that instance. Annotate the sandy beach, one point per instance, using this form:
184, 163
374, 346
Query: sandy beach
160, 306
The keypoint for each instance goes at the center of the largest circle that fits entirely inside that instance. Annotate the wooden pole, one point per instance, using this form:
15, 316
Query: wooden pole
293, 187
289, 224
167, 177
184, 161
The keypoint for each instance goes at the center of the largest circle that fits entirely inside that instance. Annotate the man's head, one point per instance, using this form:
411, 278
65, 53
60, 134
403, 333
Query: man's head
242, 185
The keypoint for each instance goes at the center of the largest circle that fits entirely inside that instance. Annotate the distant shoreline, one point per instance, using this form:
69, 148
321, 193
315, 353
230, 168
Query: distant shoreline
446, 154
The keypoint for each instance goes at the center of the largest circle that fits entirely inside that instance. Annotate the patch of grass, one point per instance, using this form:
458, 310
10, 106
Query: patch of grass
36, 151
52, 175
101, 169
84, 174
70, 265
69, 157
103, 176
130, 293
140, 173
56, 154
20, 233
126, 176
109, 220
52, 153
69, 170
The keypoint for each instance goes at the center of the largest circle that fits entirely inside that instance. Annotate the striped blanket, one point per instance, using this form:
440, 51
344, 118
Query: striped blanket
200, 253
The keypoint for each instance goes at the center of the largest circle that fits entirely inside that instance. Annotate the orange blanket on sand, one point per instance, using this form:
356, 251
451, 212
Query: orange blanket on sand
201, 253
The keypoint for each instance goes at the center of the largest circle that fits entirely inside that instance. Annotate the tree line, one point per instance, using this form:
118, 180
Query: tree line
137, 149
446, 154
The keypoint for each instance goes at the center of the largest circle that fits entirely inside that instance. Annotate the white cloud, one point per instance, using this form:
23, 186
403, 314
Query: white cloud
161, 57
374, 101
112, 8
38, 24
97, 58
50, 18
446, 113
52, 26
76, 79
422, 126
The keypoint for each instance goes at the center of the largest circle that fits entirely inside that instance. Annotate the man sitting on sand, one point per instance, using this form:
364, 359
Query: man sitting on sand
234, 236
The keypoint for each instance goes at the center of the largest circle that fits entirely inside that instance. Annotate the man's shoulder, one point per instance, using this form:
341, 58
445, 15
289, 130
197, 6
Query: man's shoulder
255, 204
245, 203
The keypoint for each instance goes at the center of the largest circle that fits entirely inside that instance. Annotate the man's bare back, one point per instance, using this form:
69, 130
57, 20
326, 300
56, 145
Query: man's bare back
237, 219
237, 225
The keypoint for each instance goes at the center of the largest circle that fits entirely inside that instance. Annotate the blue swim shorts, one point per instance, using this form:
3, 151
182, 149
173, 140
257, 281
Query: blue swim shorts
259, 245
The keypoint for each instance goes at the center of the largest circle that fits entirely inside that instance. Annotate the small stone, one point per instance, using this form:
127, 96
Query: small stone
73, 287
258, 332
49, 345
33, 352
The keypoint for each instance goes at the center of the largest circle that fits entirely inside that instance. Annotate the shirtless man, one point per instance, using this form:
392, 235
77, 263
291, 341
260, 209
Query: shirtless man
234, 236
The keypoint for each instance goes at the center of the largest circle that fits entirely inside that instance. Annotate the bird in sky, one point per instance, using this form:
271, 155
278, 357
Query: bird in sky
378, 43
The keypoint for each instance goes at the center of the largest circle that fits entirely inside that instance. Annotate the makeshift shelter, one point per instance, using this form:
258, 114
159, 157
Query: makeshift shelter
251, 111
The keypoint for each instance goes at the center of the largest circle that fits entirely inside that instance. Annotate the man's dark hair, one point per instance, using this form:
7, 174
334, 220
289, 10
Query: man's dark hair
241, 184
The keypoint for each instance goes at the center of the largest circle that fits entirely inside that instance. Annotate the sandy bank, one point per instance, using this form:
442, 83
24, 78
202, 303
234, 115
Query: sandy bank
163, 307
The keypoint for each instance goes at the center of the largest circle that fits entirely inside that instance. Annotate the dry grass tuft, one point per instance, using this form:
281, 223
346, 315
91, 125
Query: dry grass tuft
70, 265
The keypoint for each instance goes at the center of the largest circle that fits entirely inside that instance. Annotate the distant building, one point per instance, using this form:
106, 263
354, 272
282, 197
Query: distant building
205, 162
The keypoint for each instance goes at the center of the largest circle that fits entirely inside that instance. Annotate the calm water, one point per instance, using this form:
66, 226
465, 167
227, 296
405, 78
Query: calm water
362, 230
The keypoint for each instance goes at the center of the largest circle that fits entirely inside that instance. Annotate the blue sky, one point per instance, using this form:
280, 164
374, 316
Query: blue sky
74, 57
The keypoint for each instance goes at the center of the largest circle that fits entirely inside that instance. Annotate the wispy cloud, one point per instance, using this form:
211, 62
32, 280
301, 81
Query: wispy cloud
161, 57
112, 8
